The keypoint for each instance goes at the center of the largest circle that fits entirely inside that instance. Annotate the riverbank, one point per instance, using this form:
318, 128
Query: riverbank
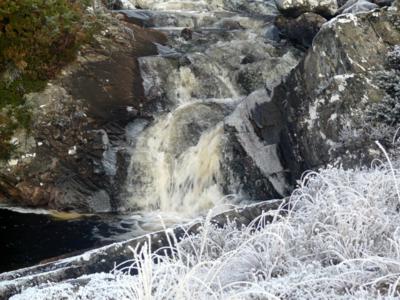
33, 236
186, 105
337, 238
106, 258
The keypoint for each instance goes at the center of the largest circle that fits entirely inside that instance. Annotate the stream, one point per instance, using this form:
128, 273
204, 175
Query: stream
222, 59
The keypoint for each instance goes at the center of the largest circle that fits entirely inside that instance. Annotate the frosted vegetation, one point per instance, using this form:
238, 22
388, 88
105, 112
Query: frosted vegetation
379, 120
387, 111
339, 239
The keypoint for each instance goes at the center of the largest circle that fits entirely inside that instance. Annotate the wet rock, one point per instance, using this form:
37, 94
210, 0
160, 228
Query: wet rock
187, 34
119, 4
75, 155
114, 4
250, 79
301, 30
8, 189
217, 66
137, 17
295, 8
382, 3
356, 6
341, 2
191, 122
253, 166
156, 18
230, 25
248, 59
170, 5
272, 33
264, 72
252, 7
168, 82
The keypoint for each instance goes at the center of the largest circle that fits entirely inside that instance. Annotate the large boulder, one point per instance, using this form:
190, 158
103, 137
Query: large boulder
300, 30
295, 8
357, 6
252, 166
252, 7
326, 99
74, 156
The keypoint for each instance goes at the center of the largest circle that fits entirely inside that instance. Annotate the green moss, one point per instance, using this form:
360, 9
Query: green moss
14, 113
37, 39
12, 94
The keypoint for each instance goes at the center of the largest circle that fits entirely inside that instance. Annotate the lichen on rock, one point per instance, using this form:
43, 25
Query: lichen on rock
297, 7
324, 98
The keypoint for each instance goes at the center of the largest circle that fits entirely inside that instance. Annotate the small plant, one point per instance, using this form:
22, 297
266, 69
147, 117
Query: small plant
387, 111
381, 119
394, 57
37, 38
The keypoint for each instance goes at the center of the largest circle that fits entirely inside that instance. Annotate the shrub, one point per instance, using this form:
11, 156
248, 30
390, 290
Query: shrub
37, 38
387, 111
381, 119
394, 57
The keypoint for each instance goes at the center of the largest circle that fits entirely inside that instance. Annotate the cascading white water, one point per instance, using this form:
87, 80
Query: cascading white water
176, 182
176, 161
175, 165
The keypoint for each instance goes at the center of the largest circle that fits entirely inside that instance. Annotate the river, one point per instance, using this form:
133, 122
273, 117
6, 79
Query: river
204, 83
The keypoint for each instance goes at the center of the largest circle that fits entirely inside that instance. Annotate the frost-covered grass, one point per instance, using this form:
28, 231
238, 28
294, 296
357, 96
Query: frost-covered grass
340, 239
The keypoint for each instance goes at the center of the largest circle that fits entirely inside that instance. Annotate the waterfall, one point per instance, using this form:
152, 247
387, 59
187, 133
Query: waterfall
195, 84
175, 164
163, 178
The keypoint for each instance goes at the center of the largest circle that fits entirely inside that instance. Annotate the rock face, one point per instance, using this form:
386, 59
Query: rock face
252, 7
253, 161
93, 143
295, 8
383, 2
78, 154
302, 29
200, 80
74, 156
357, 6
324, 99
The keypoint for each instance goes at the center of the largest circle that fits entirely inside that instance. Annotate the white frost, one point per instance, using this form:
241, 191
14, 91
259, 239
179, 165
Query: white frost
340, 240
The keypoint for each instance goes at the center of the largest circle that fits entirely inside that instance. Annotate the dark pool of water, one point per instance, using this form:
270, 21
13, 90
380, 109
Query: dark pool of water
27, 238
